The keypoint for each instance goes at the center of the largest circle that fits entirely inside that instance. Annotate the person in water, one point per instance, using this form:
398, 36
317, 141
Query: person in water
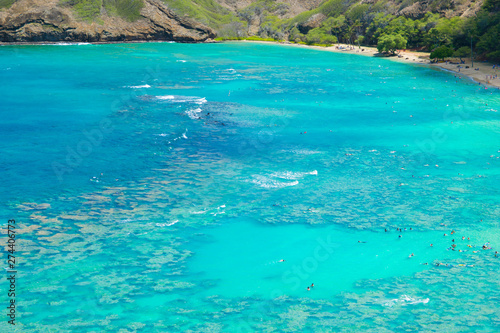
312, 285
282, 260
308, 288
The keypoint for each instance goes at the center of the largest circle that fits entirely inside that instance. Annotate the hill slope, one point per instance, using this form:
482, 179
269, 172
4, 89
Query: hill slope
87, 21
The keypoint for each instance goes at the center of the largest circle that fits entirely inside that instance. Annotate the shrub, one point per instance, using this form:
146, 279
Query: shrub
441, 52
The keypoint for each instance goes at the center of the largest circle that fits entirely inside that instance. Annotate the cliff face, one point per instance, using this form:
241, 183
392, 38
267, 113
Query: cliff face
46, 21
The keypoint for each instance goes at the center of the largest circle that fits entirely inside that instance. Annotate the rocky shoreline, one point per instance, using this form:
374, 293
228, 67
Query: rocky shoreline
39, 21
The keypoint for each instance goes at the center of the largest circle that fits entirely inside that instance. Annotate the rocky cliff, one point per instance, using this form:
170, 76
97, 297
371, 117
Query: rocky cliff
47, 21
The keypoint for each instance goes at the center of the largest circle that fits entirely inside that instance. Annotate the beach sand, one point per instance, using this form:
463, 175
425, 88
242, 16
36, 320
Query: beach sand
485, 74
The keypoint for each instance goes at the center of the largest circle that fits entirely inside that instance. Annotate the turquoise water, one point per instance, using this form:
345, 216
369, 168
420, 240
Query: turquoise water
158, 186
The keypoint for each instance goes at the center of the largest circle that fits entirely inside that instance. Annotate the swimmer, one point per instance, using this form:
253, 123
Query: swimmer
411, 255
282, 260
452, 232
361, 242
496, 254
308, 288
445, 235
432, 245
385, 230
463, 237
312, 285
400, 236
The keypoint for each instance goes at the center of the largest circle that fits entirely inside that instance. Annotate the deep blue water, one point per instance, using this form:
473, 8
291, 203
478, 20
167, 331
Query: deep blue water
157, 187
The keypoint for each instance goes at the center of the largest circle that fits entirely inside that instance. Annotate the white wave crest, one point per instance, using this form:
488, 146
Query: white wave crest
167, 97
292, 175
302, 151
166, 224
267, 182
182, 99
405, 300
139, 87
193, 113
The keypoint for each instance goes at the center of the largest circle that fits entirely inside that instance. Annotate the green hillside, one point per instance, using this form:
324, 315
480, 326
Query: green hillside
424, 26
90, 10
390, 24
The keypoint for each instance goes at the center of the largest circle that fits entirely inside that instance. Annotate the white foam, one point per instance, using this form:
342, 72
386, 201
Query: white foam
267, 182
166, 224
139, 87
293, 175
302, 151
183, 99
193, 113
404, 300
167, 97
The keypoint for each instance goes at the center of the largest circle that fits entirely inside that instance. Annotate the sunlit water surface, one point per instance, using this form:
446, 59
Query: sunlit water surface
172, 187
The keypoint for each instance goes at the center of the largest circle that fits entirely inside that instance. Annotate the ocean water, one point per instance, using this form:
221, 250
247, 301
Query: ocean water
167, 187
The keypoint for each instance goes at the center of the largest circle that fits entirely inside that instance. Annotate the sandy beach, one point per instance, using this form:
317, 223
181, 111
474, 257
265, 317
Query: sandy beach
484, 75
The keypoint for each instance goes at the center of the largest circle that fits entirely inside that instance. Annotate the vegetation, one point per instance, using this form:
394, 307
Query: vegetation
90, 10
210, 13
6, 3
127, 9
462, 52
340, 21
442, 52
485, 29
391, 43
253, 38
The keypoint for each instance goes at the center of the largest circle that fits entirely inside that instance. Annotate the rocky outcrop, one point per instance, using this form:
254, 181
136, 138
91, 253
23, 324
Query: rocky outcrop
45, 21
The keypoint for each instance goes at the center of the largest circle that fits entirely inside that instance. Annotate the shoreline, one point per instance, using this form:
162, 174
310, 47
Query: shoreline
484, 75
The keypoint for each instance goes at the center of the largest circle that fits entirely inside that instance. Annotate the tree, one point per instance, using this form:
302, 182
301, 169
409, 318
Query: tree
390, 43
442, 52
462, 52
320, 36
